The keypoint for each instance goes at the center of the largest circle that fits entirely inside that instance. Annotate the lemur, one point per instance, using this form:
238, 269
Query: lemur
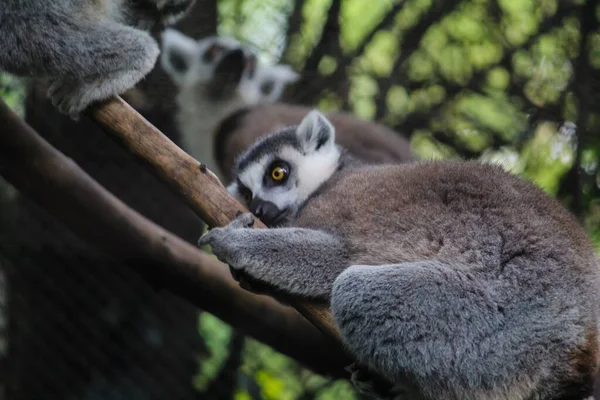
366, 140
224, 106
452, 279
216, 76
89, 50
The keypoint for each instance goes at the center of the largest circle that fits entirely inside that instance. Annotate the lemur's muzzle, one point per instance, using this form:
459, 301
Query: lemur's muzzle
266, 211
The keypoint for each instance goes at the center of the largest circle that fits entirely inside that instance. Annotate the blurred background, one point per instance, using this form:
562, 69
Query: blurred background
509, 81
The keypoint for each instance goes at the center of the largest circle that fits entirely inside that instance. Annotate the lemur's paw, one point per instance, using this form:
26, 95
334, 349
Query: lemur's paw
244, 220
226, 243
67, 97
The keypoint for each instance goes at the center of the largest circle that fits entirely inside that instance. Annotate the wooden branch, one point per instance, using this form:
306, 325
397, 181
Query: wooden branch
294, 24
411, 41
583, 90
329, 44
200, 188
65, 191
312, 85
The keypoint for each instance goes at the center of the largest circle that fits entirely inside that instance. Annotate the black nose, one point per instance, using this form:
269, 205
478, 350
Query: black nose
228, 74
266, 211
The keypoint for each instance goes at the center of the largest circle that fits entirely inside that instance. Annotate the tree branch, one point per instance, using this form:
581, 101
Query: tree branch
198, 186
294, 24
314, 83
330, 38
587, 23
414, 35
68, 193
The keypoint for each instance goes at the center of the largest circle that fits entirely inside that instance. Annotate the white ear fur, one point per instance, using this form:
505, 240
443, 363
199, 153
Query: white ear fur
315, 131
284, 73
178, 51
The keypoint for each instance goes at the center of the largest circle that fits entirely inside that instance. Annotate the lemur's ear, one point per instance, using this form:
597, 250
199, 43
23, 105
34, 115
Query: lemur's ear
178, 51
315, 132
283, 73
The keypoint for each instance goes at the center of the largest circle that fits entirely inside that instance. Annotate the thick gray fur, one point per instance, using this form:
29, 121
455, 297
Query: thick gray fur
88, 50
453, 280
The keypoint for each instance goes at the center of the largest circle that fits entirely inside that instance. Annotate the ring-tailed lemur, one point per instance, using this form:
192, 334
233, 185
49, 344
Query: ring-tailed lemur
365, 140
216, 76
89, 50
454, 280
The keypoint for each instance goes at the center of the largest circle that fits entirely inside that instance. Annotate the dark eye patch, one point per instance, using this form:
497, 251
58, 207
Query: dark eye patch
269, 181
244, 191
267, 87
178, 61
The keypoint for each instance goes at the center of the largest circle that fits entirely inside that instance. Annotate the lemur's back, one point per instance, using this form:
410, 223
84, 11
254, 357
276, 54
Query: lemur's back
524, 253
463, 213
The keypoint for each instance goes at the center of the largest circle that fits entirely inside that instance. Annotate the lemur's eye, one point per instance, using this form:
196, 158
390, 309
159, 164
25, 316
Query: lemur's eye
267, 87
279, 172
211, 53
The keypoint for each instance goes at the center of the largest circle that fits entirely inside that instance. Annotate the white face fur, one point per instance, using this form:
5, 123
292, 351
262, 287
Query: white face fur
287, 167
190, 63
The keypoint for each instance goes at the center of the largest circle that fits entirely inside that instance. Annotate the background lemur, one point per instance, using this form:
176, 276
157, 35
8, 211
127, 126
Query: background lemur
454, 279
225, 103
89, 50
216, 76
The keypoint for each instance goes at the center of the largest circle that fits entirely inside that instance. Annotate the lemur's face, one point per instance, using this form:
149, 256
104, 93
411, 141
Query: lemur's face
224, 64
275, 176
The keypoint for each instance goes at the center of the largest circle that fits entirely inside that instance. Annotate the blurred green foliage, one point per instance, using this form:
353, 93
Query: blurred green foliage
12, 91
488, 79
277, 376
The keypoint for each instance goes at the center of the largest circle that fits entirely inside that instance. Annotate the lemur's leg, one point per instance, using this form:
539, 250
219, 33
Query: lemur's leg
85, 59
298, 261
121, 56
443, 331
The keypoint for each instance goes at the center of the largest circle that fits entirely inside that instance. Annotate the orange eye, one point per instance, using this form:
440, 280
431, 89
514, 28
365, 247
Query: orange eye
278, 173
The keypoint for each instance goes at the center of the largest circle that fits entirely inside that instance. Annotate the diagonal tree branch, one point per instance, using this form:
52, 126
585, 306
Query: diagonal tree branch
330, 38
329, 43
69, 194
587, 24
294, 24
198, 186
313, 83
413, 40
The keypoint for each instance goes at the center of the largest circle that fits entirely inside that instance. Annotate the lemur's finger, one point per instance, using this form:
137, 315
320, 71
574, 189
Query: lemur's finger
205, 239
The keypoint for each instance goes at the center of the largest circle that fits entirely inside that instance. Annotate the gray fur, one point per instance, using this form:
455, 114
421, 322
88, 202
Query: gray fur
453, 280
305, 251
88, 50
